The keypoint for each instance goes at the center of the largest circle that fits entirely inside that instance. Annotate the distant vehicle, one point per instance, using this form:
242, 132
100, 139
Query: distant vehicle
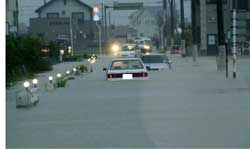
156, 62
126, 69
144, 44
127, 50
176, 49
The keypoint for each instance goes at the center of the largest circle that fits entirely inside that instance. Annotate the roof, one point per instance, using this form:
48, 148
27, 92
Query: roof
124, 58
51, 1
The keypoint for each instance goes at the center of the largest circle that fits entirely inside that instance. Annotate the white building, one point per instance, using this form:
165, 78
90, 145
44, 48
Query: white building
145, 21
68, 22
11, 16
65, 8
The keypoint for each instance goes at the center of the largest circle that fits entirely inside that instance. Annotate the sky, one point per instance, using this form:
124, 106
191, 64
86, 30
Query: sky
27, 9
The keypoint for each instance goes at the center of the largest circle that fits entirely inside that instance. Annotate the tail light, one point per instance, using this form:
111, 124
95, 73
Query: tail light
110, 76
114, 75
144, 74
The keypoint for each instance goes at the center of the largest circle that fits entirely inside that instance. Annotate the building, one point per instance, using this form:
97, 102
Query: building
68, 22
206, 23
145, 21
11, 17
124, 32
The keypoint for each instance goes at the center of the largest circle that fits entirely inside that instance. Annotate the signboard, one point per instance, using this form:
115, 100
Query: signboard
127, 6
211, 40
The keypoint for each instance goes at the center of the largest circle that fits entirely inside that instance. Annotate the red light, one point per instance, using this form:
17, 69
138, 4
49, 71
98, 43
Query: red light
110, 76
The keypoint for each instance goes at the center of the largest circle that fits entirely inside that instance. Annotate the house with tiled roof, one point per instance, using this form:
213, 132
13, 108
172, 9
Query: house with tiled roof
68, 22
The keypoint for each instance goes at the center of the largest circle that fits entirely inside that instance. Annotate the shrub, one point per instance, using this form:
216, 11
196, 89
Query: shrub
83, 68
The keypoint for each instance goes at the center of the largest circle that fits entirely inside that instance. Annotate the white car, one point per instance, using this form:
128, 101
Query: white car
126, 69
156, 61
127, 51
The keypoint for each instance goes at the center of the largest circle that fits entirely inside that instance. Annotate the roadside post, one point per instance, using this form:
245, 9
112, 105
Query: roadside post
61, 55
96, 19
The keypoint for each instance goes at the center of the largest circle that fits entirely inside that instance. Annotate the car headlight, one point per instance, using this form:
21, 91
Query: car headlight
115, 48
146, 47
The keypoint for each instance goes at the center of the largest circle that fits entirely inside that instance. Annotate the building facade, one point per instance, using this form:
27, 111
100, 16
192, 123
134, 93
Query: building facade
68, 22
145, 21
11, 17
206, 23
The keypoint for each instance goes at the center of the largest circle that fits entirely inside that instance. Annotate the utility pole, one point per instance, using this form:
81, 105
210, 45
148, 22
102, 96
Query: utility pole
171, 4
105, 18
234, 51
109, 25
183, 43
194, 31
221, 64
163, 24
71, 35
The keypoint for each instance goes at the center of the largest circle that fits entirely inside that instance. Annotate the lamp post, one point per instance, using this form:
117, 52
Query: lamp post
50, 79
69, 50
96, 19
71, 36
26, 85
61, 55
35, 81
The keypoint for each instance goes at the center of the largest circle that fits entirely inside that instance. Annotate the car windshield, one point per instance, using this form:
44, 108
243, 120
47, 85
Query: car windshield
154, 59
126, 48
126, 64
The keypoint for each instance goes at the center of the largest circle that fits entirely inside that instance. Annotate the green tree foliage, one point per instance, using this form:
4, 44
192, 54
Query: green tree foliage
23, 57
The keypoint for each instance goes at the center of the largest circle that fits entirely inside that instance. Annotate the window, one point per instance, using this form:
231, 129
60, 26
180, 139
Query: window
52, 15
78, 15
248, 26
215, 1
126, 64
241, 4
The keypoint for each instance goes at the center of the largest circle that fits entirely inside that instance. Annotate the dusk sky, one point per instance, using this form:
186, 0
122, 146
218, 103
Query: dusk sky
28, 7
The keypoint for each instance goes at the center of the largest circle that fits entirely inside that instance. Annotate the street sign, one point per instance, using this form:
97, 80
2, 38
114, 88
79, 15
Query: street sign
127, 6
96, 18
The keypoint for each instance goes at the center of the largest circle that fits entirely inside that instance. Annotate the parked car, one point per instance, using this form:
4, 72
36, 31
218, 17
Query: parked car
156, 61
126, 69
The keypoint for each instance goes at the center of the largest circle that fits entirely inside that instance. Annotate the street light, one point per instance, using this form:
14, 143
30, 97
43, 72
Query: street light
35, 81
96, 10
96, 19
59, 75
69, 49
50, 79
74, 69
61, 54
26, 84
68, 72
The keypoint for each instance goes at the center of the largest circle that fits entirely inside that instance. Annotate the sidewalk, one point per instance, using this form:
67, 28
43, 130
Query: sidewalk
42, 78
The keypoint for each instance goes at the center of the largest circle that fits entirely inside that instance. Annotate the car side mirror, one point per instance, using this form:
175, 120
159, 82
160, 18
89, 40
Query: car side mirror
147, 67
104, 69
